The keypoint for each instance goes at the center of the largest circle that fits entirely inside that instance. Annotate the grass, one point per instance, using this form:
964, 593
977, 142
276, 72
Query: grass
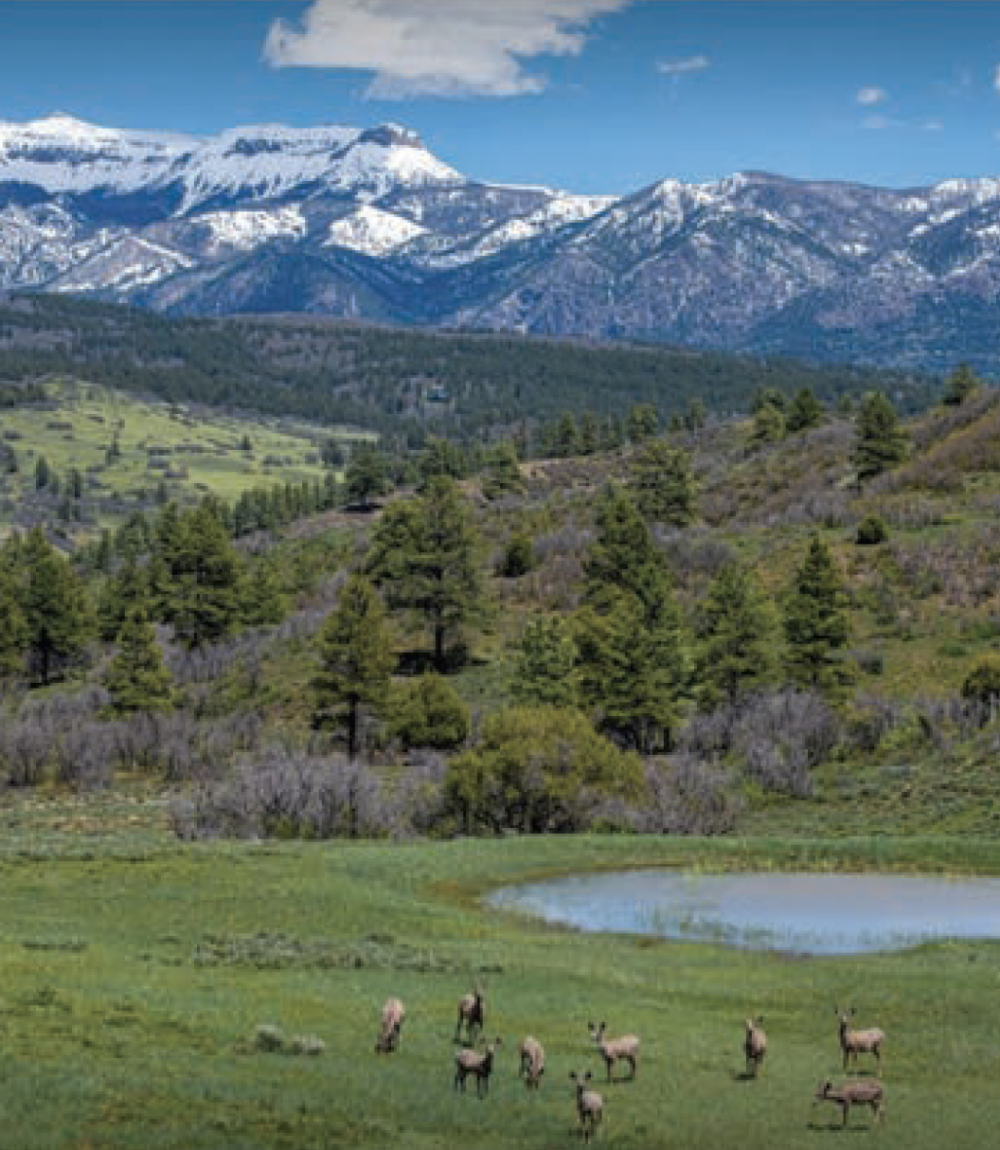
139, 971
204, 448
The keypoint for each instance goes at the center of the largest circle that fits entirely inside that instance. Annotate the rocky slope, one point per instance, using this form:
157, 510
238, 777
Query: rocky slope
368, 223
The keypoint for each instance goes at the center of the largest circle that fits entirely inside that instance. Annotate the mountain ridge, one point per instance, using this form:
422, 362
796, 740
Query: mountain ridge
367, 222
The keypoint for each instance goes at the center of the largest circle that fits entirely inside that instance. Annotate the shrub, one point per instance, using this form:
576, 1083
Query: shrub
538, 769
871, 531
519, 557
430, 713
982, 684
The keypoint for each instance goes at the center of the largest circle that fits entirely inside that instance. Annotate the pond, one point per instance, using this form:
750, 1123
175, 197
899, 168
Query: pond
807, 913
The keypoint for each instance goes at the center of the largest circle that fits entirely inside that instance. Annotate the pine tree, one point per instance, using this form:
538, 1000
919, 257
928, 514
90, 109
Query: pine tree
14, 633
356, 661
122, 593
662, 484
622, 555
804, 412
816, 621
632, 668
204, 575
503, 474
367, 476
962, 383
769, 425
736, 628
426, 553
879, 441
136, 678
642, 422
430, 713
264, 602
55, 609
545, 668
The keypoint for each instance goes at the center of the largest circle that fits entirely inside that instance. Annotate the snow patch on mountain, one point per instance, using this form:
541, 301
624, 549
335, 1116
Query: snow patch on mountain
372, 231
246, 230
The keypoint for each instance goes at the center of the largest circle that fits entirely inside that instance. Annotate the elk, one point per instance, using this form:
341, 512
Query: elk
589, 1105
481, 1065
855, 1042
393, 1013
611, 1050
855, 1092
532, 1062
754, 1046
470, 1012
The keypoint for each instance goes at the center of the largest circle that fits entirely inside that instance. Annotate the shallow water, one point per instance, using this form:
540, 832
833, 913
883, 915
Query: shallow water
809, 913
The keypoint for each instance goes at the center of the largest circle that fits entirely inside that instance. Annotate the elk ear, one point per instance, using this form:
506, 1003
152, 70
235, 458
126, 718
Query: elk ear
572, 1075
760, 1020
586, 1077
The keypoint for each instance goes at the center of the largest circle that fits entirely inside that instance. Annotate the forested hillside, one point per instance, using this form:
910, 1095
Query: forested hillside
728, 619
403, 383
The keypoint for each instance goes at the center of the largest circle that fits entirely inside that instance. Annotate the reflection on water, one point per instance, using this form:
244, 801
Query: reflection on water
811, 913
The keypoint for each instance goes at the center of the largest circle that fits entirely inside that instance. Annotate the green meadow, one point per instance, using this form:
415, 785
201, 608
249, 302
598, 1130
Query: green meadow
137, 969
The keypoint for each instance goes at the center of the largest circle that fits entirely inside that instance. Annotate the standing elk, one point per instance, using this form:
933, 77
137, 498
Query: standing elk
481, 1065
532, 1062
471, 1014
393, 1013
856, 1092
589, 1105
855, 1042
754, 1046
612, 1050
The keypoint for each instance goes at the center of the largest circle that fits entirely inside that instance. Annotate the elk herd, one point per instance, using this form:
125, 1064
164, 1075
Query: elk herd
475, 1058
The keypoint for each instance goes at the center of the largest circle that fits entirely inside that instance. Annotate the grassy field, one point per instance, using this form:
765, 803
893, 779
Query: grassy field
137, 969
191, 451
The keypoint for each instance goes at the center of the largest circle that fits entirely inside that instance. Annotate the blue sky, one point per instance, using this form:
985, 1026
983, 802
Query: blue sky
589, 95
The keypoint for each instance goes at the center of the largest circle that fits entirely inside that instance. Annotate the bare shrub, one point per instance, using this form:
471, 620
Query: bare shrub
687, 796
286, 794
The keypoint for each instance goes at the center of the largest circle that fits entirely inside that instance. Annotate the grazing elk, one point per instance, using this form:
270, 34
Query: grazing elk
612, 1050
589, 1105
754, 1046
393, 1013
855, 1042
855, 1092
471, 1014
532, 1062
472, 1062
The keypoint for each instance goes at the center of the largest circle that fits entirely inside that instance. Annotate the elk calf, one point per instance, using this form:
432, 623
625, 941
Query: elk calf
855, 1092
532, 1063
855, 1042
589, 1105
393, 1013
754, 1046
470, 1014
625, 1049
481, 1065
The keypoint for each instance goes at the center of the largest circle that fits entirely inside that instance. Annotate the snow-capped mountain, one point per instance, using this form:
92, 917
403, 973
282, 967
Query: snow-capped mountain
368, 223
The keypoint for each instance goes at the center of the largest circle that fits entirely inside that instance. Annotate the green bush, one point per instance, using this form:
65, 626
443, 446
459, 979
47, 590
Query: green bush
982, 684
430, 713
871, 531
536, 770
519, 558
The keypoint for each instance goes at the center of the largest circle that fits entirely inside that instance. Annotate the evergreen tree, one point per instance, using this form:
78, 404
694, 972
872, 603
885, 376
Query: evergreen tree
642, 423
136, 678
816, 621
622, 555
43, 474
662, 484
879, 442
55, 609
356, 661
736, 628
567, 436
545, 668
503, 474
367, 476
122, 594
962, 383
14, 633
519, 557
768, 397
632, 668
426, 552
804, 412
264, 602
441, 457
769, 425
204, 575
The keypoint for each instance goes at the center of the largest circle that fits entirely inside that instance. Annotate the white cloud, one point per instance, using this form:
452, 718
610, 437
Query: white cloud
869, 97
881, 123
683, 67
437, 47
